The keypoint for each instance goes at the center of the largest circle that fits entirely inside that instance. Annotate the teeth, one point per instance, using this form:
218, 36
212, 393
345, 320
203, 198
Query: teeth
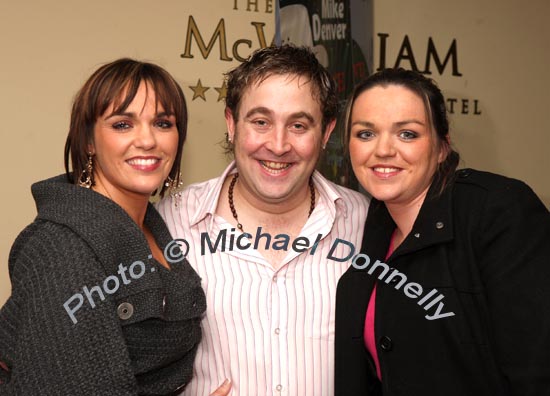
386, 170
143, 161
275, 167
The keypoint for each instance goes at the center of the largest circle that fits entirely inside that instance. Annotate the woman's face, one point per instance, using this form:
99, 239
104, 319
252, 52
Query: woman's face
135, 149
393, 149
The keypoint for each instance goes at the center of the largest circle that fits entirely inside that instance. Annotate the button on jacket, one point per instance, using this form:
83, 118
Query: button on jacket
463, 307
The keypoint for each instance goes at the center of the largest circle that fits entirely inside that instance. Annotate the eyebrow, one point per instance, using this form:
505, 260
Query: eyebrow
266, 111
411, 121
369, 124
133, 115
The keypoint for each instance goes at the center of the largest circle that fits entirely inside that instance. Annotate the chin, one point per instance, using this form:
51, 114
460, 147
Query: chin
146, 189
384, 196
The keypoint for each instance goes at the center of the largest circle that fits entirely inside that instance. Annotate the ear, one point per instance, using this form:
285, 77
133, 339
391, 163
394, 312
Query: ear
230, 123
328, 131
444, 149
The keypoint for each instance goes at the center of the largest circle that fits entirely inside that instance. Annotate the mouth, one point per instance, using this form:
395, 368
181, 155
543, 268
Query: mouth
146, 164
275, 167
385, 172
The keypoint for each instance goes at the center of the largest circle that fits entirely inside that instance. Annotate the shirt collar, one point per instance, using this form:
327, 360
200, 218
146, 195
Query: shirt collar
208, 206
328, 192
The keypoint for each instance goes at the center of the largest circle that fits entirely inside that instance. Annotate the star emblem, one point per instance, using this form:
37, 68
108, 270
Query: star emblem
199, 90
222, 91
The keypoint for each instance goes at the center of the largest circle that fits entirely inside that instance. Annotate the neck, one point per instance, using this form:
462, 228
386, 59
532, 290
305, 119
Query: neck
404, 215
252, 212
276, 207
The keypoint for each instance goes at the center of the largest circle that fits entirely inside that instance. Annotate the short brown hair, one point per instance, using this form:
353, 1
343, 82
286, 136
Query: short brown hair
105, 87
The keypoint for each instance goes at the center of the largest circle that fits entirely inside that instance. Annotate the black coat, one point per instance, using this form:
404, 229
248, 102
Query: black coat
484, 246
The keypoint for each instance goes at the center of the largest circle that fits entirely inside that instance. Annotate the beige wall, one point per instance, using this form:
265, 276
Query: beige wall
49, 49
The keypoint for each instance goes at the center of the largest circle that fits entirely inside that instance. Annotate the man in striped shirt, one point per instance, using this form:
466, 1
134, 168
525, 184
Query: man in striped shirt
269, 236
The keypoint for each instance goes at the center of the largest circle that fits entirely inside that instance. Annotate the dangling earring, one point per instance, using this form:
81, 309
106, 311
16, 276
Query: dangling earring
173, 185
86, 176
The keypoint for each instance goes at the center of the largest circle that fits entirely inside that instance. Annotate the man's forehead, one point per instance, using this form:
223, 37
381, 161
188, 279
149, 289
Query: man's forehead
301, 80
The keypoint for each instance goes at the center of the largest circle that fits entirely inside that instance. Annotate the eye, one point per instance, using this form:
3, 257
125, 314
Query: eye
298, 127
408, 135
164, 124
261, 123
364, 135
121, 125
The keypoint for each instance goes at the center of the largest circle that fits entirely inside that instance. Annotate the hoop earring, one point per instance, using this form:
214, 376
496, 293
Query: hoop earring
86, 177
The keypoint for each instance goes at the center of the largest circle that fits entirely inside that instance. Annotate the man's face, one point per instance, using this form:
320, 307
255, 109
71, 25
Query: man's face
277, 139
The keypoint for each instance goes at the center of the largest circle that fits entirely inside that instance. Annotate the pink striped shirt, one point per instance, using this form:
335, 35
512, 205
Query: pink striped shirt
270, 331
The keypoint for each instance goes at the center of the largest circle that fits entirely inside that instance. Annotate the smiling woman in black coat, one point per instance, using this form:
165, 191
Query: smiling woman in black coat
451, 292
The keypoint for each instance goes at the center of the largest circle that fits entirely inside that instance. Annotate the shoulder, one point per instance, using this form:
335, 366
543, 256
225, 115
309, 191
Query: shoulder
190, 197
197, 190
487, 182
474, 186
46, 250
493, 187
495, 198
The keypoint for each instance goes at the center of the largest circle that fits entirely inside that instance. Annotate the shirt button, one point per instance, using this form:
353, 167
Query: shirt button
274, 278
417, 235
386, 343
277, 330
125, 311
279, 388
164, 304
439, 225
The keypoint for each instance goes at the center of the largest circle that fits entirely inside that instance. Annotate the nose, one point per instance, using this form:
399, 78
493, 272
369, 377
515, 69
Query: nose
145, 137
384, 146
278, 142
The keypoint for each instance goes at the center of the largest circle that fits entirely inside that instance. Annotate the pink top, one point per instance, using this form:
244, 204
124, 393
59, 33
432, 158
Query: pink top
369, 334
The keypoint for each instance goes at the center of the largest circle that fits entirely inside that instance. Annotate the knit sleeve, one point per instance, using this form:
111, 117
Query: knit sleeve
514, 246
48, 351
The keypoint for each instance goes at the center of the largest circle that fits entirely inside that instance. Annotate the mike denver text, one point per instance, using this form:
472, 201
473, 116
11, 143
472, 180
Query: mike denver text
230, 241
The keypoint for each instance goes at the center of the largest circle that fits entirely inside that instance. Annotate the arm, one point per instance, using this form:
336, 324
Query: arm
515, 267
47, 352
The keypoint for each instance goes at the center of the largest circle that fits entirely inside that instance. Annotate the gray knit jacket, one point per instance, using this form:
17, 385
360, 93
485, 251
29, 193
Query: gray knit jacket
139, 337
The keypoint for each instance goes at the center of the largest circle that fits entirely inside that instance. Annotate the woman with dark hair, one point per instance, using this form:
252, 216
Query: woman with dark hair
450, 294
96, 308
